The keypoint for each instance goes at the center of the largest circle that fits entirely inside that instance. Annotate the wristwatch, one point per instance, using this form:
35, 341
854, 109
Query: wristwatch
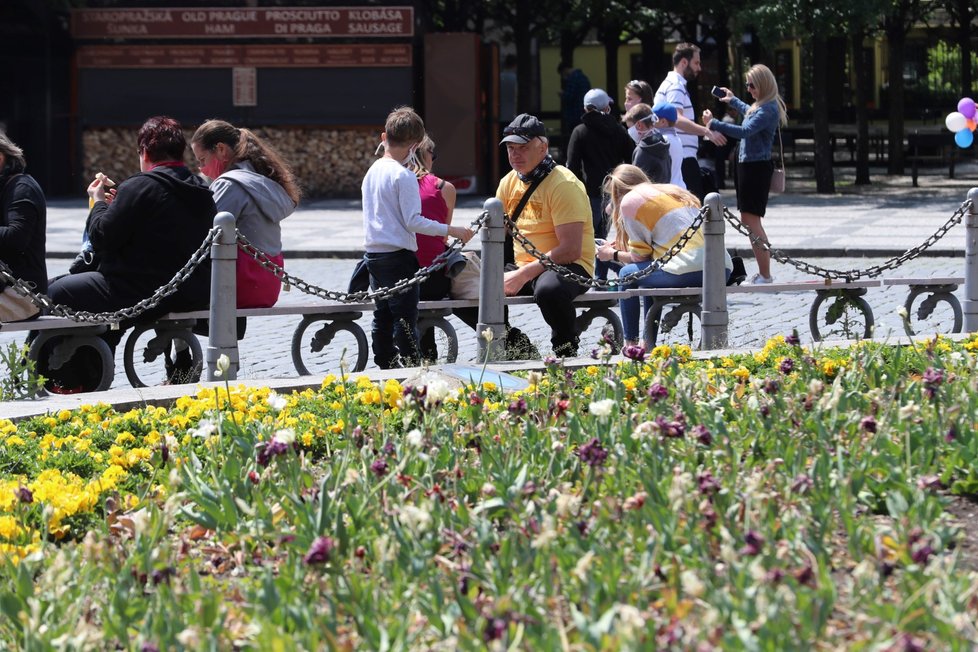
614, 256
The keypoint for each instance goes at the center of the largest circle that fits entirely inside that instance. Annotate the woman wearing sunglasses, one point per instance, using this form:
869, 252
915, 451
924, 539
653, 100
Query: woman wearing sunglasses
754, 165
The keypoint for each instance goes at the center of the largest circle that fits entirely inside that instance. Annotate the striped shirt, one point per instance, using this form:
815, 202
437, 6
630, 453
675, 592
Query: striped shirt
673, 90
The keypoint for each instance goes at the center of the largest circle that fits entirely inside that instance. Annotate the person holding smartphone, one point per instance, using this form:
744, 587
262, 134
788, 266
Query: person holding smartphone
761, 121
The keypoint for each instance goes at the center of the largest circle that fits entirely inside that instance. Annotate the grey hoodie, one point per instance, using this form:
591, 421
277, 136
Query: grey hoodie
257, 203
652, 155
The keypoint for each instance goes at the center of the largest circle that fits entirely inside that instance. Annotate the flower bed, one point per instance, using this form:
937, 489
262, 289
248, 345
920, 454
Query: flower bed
782, 500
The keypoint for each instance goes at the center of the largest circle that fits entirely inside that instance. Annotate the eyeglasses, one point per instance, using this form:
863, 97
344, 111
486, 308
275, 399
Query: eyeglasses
522, 132
751, 86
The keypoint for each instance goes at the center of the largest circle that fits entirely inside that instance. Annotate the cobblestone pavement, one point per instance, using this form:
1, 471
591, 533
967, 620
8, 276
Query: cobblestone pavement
265, 350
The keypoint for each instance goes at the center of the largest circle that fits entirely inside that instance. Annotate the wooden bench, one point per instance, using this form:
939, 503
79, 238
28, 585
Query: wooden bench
937, 147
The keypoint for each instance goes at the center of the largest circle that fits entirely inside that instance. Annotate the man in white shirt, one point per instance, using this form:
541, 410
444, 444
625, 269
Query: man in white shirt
686, 66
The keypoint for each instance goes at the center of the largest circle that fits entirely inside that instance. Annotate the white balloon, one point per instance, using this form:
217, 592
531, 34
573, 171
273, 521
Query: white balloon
955, 121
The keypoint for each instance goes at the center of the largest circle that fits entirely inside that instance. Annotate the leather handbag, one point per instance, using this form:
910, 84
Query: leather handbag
777, 177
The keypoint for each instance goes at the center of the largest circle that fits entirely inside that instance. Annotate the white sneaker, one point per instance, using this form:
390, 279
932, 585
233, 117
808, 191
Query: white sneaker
757, 279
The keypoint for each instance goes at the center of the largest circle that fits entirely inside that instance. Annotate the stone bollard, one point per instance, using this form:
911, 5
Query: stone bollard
713, 316
971, 264
491, 307
223, 336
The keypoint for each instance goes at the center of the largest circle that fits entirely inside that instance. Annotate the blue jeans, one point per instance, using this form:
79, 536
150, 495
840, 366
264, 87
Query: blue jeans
657, 279
395, 325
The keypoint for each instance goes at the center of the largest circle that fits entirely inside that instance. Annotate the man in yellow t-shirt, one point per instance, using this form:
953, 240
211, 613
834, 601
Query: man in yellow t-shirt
556, 219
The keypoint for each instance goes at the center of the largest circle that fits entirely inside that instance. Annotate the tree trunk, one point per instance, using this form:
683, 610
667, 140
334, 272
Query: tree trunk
611, 85
965, 15
653, 64
824, 176
896, 38
525, 90
860, 65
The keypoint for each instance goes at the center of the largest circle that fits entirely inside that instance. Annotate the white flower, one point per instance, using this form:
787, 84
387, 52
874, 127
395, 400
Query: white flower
189, 638
223, 364
902, 311
693, 586
276, 402
414, 438
437, 391
643, 430
583, 565
631, 619
416, 519
568, 505
548, 532
534, 378
602, 408
205, 428
285, 436
909, 410
487, 334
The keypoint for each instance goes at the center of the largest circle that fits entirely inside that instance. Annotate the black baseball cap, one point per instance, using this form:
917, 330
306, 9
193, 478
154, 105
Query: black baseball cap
523, 129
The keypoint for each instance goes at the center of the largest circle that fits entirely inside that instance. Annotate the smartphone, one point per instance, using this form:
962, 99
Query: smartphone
718, 92
599, 241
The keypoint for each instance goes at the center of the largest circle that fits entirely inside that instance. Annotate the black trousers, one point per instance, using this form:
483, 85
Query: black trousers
554, 295
693, 178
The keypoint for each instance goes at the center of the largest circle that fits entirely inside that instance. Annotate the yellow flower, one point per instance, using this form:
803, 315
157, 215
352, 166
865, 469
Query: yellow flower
337, 427
124, 438
741, 373
9, 528
64, 415
14, 440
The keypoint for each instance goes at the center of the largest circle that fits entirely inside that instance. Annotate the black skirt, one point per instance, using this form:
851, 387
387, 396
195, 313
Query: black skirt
753, 186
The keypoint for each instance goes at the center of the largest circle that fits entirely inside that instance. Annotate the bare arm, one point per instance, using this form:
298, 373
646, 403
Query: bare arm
685, 124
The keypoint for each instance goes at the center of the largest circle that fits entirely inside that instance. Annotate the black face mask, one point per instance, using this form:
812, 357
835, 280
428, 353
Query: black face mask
542, 169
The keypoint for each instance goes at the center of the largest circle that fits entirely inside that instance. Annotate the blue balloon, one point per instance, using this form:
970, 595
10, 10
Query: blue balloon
964, 138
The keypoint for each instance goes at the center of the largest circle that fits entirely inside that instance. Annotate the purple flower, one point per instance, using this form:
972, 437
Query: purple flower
632, 352
495, 628
149, 647
162, 575
805, 575
657, 392
753, 543
702, 434
868, 424
164, 453
595, 354
774, 576
933, 378
907, 643
801, 484
951, 434
320, 551
670, 429
708, 484
792, 338
787, 366
921, 554
592, 453
25, 495
518, 407
379, 467
270, 449
771, 386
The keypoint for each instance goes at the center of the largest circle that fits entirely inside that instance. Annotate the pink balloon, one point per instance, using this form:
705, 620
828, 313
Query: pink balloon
966, 107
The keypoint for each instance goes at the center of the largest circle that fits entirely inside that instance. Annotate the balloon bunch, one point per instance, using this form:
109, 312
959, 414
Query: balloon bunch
963, 122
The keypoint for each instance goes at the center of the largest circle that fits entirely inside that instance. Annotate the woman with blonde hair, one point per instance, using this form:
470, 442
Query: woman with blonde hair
762, 119
251, 181
649, 219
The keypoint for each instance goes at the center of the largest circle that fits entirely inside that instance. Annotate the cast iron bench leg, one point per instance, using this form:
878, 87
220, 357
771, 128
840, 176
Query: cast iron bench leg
340, 321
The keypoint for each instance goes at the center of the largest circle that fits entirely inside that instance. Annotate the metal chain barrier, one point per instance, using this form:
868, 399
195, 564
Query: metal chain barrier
48, 306
850, 275
400, 287
590, 282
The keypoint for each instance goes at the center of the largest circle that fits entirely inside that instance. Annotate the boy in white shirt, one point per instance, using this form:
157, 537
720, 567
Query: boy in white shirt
391, 218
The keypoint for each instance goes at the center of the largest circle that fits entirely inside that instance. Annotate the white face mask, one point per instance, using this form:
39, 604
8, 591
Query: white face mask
633, 132
412, 157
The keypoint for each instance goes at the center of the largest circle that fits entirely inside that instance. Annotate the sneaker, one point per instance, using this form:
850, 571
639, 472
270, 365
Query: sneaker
757, 279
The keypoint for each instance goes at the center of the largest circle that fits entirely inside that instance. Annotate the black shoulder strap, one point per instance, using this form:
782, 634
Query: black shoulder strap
509, 256
525, 198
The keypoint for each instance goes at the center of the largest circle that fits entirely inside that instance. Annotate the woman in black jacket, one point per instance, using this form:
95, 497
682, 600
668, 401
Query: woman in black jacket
23, 217
146, 231
142, 234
